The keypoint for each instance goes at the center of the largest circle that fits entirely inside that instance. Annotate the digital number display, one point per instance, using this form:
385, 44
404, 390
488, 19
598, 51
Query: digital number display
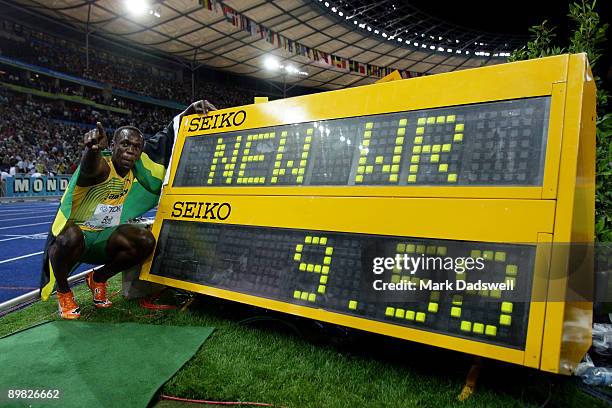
333, 271
496, 143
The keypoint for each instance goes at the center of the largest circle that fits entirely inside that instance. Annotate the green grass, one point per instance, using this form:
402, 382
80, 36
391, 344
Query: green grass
295, 362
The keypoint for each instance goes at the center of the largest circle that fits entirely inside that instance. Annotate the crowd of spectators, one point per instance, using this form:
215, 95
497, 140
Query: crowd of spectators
39, 137
31, 143
40, 82
118, 71
147, 115
148, 121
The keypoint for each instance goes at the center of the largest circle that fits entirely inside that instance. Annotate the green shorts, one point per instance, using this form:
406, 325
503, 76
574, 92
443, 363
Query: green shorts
95, 246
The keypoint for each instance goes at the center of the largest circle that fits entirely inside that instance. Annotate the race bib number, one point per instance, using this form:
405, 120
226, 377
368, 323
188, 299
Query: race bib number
105, 216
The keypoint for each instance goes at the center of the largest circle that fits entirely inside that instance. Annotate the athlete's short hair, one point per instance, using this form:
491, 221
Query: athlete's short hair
128, 127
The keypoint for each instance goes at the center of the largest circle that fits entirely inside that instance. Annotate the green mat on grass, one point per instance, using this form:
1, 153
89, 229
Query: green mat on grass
95, 364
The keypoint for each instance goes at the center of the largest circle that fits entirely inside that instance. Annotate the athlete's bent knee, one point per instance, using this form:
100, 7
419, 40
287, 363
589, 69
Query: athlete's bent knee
70, 241
142, 243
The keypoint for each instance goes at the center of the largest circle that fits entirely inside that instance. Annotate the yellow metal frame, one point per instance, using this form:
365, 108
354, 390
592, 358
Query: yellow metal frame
560, 210
568, 323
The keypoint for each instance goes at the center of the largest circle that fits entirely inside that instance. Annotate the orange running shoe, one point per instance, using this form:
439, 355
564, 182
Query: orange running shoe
68, 308
99, 292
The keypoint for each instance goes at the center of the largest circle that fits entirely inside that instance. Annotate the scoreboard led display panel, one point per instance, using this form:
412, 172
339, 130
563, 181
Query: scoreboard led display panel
325, 269
310, 205
499, 143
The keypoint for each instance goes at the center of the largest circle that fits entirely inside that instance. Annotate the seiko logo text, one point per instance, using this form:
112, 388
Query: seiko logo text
197, 209
217, 121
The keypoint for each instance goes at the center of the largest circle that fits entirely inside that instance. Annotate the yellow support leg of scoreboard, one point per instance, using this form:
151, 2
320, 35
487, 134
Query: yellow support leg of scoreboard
470, 381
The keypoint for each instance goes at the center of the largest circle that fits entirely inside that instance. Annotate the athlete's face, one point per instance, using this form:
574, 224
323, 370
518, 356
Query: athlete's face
126, 147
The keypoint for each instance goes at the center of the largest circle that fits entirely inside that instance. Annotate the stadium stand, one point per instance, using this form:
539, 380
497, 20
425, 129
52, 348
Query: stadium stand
31, 142
44, 50
45, 136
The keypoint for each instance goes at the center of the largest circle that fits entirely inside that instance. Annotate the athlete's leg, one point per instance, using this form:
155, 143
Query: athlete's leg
128, 246
64, 253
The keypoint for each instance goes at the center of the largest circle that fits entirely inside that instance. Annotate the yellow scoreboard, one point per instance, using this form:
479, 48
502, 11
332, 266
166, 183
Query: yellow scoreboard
311, 206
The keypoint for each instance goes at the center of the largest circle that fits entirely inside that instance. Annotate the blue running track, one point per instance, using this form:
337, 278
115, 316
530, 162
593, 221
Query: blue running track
23, 231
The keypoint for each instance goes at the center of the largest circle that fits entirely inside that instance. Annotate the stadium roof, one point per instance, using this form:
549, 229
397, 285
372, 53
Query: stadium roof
190, 31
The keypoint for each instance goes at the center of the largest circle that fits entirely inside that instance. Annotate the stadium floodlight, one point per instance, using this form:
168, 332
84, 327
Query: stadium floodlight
155, 12
271, 63
137, 7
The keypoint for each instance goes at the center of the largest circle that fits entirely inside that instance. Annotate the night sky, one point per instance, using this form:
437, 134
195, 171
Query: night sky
516, 16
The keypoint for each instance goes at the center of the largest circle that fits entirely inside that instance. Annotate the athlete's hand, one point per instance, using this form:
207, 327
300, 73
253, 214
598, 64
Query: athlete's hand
96, 139
201, 107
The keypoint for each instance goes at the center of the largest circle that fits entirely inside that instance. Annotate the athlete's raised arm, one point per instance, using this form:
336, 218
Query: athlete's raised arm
94, 169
